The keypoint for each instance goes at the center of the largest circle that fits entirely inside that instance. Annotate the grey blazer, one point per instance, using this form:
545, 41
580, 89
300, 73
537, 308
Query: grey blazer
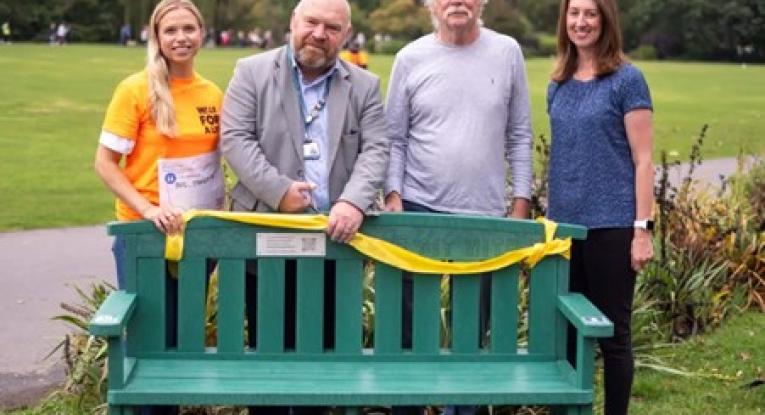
262, 133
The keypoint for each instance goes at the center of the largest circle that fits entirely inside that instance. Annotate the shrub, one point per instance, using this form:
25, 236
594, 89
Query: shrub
390, 47
644, 53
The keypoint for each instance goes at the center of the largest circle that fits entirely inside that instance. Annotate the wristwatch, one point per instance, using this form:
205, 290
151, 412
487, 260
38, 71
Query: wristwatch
645, 224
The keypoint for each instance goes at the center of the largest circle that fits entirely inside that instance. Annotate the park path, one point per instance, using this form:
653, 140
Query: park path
41, 266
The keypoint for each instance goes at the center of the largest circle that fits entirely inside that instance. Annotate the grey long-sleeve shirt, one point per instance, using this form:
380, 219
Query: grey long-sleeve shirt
456, 114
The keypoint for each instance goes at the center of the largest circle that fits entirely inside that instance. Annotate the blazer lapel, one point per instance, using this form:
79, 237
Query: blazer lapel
337, 105
290, 103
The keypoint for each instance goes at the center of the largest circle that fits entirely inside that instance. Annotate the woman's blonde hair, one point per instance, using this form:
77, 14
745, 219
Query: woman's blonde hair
158, 73
608, 48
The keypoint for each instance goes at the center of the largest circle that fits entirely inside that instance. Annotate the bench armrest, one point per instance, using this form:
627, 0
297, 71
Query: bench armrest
587, 319
113, 315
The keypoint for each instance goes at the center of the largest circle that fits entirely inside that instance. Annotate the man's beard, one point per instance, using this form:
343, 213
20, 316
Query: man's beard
313, 57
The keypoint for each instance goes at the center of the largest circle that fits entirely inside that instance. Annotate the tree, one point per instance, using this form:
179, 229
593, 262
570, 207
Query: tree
504, 16
404, 19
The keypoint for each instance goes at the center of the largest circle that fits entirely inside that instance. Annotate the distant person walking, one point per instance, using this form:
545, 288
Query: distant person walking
355, 55
126, 34
62, 31
52, 34
5, 32
601, 174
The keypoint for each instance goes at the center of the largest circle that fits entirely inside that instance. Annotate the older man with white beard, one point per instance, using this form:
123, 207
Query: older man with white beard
305, 132
458, 113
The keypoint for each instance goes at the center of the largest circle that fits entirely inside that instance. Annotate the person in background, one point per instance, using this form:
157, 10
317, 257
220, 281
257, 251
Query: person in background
62, 31
163, 123
144, 34
5, 32
355, 55
125, 34
601, 174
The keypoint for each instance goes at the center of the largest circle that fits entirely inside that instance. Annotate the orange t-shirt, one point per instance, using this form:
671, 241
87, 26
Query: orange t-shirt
359, 58
130, 129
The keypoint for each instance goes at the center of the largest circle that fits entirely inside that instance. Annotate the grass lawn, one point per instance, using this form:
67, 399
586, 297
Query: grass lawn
54, 99
722, 363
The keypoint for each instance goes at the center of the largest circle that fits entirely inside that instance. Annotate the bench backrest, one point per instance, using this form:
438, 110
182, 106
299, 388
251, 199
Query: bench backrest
275, 252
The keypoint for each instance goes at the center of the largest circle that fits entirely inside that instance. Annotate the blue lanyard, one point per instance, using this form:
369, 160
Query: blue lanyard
308, 116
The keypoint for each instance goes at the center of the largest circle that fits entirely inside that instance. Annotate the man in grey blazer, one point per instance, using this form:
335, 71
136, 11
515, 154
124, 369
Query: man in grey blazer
304, 130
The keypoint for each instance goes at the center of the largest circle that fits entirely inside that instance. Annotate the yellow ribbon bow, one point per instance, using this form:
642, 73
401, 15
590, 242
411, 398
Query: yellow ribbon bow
384, 251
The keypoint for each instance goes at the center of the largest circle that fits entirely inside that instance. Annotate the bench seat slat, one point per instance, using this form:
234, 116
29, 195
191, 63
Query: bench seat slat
203, 382
504, 310
426, 315
310, 305
231, 306
388, 289
191, 304
147, 329
270, 305
465, 312
348, 307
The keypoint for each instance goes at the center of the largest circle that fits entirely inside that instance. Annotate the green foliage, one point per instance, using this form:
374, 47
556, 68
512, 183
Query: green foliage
644, 53
505, 17
85, 355
389, 47
402, 19
698, 28
710, 258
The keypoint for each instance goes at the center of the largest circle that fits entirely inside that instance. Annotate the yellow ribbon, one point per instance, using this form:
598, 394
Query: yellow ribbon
384, 251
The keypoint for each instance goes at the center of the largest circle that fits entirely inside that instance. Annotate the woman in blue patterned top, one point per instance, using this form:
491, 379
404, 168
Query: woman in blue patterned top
601, 173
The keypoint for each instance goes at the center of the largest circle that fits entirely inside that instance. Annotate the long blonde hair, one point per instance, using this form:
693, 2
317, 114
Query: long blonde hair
158, 73
608, 49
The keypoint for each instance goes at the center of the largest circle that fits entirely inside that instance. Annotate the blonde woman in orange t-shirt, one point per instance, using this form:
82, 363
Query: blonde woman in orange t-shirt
164, 122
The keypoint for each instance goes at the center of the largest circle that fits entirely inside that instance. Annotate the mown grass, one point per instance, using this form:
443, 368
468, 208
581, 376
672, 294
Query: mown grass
718, 367
54, 99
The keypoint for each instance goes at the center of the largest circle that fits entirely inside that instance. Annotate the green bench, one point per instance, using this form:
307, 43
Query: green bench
142, 370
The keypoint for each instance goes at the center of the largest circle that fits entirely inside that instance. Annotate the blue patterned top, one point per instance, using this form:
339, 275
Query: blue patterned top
592, 175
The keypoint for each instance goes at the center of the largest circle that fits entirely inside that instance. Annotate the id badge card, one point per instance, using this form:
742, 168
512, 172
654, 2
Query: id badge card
311, 150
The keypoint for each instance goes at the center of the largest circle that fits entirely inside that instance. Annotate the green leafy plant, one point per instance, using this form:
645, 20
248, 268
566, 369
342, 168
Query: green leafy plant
85, 355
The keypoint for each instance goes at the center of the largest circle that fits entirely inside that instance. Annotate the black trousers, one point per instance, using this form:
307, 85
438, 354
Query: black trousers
290, 289
601, 271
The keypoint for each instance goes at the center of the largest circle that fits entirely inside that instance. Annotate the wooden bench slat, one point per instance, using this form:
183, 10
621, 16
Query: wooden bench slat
192, 276
149, 324
388, 286
270, 305
465, 313
504, 310
426, 314
231, 306
309, 336
349, 383
543, 293
348, 305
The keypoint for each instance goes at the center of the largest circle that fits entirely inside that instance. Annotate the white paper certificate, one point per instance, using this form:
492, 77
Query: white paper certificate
191, 182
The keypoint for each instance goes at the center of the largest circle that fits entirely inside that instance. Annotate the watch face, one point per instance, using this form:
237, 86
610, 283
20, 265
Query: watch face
644, 224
